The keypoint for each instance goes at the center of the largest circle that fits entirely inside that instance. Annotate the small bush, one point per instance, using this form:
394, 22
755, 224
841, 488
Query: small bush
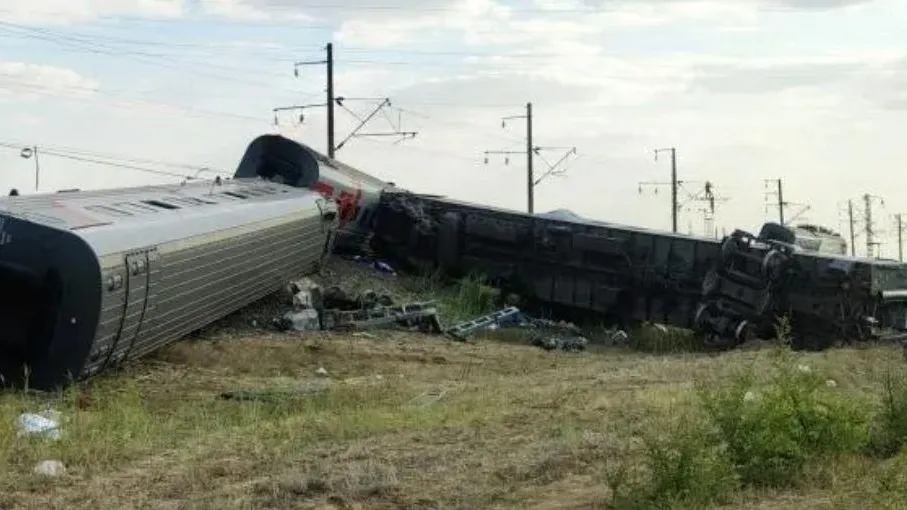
470, 298
772, 432
686, 467
889, 430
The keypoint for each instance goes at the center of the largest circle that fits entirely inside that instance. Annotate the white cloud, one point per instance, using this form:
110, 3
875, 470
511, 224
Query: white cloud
739, 108
253, 10
20, 80
70, 11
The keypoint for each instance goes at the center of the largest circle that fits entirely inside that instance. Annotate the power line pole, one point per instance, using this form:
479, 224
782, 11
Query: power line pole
329, 62
334, 101
675, 208
853, 247
868, 228
779, 192
530, 179
32, 152
867, 218
900, 237
531, 150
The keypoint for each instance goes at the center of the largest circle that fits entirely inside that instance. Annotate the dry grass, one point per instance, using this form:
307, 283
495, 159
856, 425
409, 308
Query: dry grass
405, 421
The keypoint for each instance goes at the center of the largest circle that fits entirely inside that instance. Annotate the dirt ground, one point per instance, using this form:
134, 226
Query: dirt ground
387, 420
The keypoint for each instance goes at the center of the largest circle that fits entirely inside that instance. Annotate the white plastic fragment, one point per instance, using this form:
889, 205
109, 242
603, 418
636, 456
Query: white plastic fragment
50, 468
831, 383
303, 320
46, 423
321, 371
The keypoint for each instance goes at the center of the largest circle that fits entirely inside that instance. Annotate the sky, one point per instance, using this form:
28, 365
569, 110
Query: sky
809, 91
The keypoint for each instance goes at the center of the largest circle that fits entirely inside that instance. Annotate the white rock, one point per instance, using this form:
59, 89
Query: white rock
50, 468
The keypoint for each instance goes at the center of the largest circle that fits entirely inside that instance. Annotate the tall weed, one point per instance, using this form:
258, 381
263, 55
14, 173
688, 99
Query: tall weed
889, 430
772, 430
687, 467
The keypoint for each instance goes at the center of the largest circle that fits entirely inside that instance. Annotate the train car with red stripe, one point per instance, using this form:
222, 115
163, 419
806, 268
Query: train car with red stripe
279, 159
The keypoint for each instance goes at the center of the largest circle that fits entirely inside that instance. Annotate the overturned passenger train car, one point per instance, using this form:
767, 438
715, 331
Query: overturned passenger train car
726, 290
278, 159
91, 279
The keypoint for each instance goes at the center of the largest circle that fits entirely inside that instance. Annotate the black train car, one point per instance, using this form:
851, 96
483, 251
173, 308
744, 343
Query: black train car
727, 290
623, 273
91, 279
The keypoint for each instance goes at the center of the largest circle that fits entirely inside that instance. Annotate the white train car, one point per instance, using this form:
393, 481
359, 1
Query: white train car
279, 159
90, 279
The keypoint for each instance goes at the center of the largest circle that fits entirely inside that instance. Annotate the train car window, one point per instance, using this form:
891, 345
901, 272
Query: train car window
104, 209
129, 206
189, 200
162, 205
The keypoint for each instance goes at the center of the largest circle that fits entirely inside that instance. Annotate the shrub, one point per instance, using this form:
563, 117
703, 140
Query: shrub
471, 297
772, 432
889, 430
686, 466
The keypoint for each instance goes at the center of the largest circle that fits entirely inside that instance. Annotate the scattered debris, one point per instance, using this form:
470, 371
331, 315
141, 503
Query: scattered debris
50, 468
462, 330
322, 372
550, 343
46, 423
382, 266
618, 337
423, 316
570, 338
306, 319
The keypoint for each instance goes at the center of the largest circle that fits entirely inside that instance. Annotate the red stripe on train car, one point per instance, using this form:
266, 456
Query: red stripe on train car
324, 188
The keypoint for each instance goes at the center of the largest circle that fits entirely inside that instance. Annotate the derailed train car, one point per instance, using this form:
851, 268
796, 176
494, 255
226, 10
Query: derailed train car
276, 158
727, 290
829, 298
617, 272
92, 279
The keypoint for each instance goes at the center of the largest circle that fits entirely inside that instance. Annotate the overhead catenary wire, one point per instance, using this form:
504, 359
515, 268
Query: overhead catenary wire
160, 60
115, 161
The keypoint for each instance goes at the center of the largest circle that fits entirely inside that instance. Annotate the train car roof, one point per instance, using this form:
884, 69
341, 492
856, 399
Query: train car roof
77, 210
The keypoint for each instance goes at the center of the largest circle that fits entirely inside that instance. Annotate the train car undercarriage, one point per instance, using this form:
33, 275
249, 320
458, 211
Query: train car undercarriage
727, 291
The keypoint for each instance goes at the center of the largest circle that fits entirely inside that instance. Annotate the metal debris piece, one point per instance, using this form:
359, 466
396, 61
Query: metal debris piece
423, 315
462, 330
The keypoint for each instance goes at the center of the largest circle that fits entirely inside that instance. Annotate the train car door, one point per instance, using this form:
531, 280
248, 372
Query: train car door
135, 303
